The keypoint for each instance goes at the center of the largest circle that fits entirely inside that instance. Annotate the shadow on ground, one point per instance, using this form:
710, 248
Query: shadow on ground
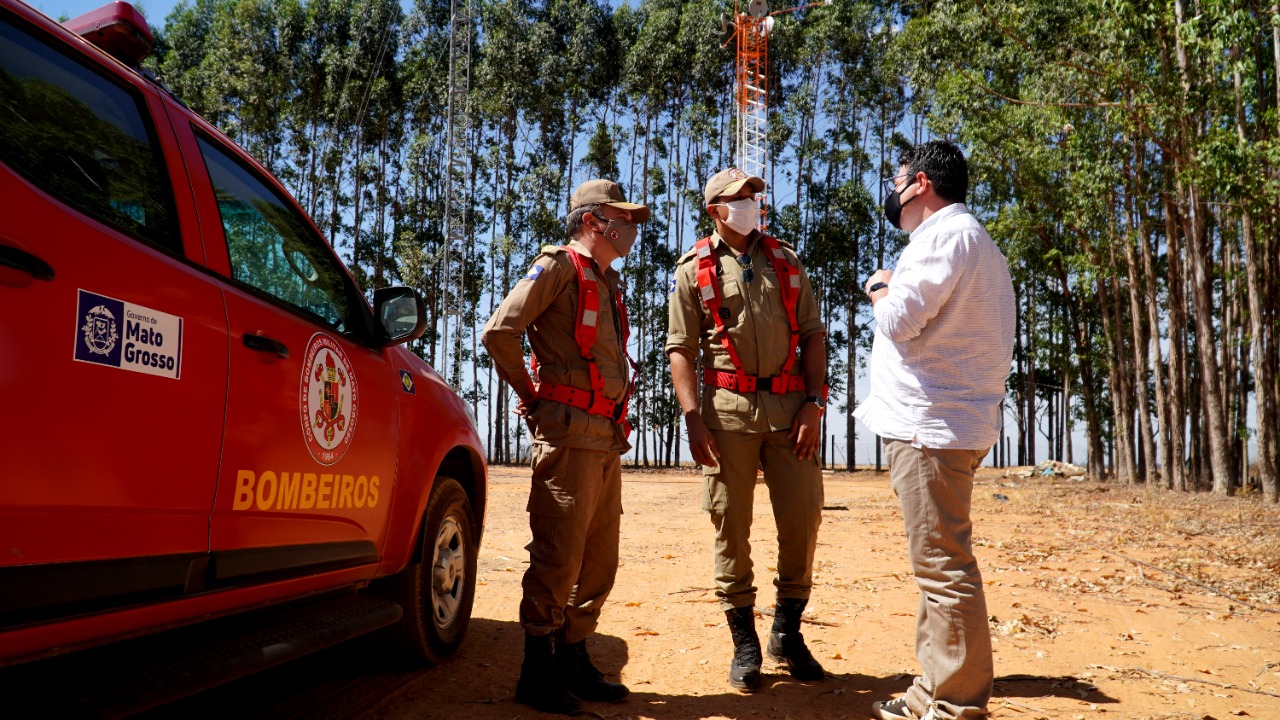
361, 680
1038, 686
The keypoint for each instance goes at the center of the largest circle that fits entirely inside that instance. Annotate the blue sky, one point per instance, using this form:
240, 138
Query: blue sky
154, 10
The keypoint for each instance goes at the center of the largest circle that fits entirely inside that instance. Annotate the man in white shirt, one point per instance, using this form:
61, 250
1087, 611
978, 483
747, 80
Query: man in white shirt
941, 355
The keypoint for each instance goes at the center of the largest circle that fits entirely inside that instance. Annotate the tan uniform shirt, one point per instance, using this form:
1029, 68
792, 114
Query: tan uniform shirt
757, 327
545, 302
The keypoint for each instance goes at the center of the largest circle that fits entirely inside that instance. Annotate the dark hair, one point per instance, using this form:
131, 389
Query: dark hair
943, 163
573, 221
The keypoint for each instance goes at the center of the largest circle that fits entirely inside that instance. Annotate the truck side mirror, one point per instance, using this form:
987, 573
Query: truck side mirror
402, 313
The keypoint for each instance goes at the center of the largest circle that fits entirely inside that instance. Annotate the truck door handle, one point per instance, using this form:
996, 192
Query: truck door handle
262, 343
26, 262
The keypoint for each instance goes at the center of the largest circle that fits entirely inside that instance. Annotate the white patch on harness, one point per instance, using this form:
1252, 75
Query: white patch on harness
708, 292
704, 250
795, 281
589, 318
589, 274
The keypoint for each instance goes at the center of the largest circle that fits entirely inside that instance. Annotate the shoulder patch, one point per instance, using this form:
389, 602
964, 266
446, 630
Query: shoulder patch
671, 286
534, 272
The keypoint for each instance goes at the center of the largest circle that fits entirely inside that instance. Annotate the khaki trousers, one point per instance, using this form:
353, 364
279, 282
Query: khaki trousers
795, 490
953, 641
575, 509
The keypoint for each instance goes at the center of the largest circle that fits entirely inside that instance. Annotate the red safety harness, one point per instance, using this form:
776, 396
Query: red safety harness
593, 400
709, 288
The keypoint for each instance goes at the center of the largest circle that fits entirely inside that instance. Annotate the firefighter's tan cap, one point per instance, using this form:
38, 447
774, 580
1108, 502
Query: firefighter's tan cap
728, 182
606, 192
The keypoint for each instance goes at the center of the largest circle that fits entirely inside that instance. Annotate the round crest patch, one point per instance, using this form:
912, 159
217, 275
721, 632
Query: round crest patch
329, 400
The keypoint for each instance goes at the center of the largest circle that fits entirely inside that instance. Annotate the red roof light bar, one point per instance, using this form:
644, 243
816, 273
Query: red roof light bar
118, 28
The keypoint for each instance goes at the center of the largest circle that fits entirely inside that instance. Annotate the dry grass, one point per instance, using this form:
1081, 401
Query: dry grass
1231, 544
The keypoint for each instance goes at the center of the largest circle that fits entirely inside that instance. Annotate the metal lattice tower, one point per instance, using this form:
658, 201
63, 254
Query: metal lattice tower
752, 92
751, 30
457, 171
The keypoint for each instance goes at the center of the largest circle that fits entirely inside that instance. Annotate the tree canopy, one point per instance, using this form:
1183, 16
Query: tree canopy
1123, 155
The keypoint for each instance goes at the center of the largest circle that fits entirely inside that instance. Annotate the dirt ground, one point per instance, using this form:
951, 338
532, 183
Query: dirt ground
1105, 602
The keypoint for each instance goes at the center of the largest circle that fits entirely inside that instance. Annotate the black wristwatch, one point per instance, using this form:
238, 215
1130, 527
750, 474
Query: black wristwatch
822, 404
877, 286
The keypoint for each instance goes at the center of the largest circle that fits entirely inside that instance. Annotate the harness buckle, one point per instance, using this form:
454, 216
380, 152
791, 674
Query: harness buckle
601, 405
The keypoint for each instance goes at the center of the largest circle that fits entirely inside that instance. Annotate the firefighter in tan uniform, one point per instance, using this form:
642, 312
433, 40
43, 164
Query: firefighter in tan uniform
571, 304
741, 301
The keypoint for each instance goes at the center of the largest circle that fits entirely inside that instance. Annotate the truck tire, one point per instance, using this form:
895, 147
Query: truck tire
437, 592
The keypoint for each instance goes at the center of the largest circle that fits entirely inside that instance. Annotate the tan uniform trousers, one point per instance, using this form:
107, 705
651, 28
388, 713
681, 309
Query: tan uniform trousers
953, 641
575, 509
795, 490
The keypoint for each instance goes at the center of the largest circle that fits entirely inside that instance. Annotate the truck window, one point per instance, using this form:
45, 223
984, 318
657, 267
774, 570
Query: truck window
271, 246
83, 139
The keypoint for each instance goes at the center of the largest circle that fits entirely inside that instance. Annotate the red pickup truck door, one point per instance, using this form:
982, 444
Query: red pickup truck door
309, 456
113, 350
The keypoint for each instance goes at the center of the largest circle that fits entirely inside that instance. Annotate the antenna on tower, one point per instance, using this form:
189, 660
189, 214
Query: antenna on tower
457, 170
751, 31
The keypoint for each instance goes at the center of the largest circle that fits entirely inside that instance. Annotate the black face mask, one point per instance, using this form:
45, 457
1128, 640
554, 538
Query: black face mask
893, 205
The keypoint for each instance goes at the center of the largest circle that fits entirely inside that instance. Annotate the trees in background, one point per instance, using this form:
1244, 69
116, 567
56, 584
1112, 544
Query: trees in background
1129, 154
1124, 156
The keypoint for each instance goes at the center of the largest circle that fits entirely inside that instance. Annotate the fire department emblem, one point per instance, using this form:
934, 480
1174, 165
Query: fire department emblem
100, 334
736, 174
329, 400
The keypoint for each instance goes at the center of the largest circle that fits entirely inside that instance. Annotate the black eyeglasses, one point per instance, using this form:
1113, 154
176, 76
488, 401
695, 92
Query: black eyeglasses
890, 185
744, 261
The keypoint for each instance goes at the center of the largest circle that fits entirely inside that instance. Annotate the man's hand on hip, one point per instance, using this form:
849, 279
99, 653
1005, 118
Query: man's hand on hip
806, 430
525, 408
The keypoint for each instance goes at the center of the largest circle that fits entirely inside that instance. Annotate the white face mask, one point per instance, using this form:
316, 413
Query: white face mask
744, 215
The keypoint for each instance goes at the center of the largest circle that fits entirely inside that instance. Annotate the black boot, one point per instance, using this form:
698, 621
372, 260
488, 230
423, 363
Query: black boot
744, 671
582, 678
540, 686
786, 644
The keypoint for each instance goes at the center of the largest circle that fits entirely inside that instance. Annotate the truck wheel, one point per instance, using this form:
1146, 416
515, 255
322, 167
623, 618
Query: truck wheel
437, 592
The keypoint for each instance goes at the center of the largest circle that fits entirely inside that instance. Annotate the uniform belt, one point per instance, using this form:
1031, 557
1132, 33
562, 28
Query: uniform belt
593, 403
778, 384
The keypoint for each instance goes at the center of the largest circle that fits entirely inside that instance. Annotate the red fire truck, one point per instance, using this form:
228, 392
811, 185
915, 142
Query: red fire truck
205, 420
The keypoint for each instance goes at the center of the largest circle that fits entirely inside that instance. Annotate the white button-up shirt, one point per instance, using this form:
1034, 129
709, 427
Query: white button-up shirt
944, 338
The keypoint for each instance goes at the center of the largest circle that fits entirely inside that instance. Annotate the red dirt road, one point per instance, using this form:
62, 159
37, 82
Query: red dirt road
1082, 630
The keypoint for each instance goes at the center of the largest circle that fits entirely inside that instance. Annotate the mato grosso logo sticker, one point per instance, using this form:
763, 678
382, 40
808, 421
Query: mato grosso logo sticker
330, 400
126, 336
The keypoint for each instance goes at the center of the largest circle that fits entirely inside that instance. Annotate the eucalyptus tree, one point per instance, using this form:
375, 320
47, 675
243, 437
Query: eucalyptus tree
1121, 125
500, 97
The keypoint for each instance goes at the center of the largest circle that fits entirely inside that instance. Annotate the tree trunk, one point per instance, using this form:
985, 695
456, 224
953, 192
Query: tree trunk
1030, 376
1122, 413
1175, 434
1146, 435
1020, 354
1157, 362
1066, 406
1275, 47
1206, 346
1093, 424
1260, 328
